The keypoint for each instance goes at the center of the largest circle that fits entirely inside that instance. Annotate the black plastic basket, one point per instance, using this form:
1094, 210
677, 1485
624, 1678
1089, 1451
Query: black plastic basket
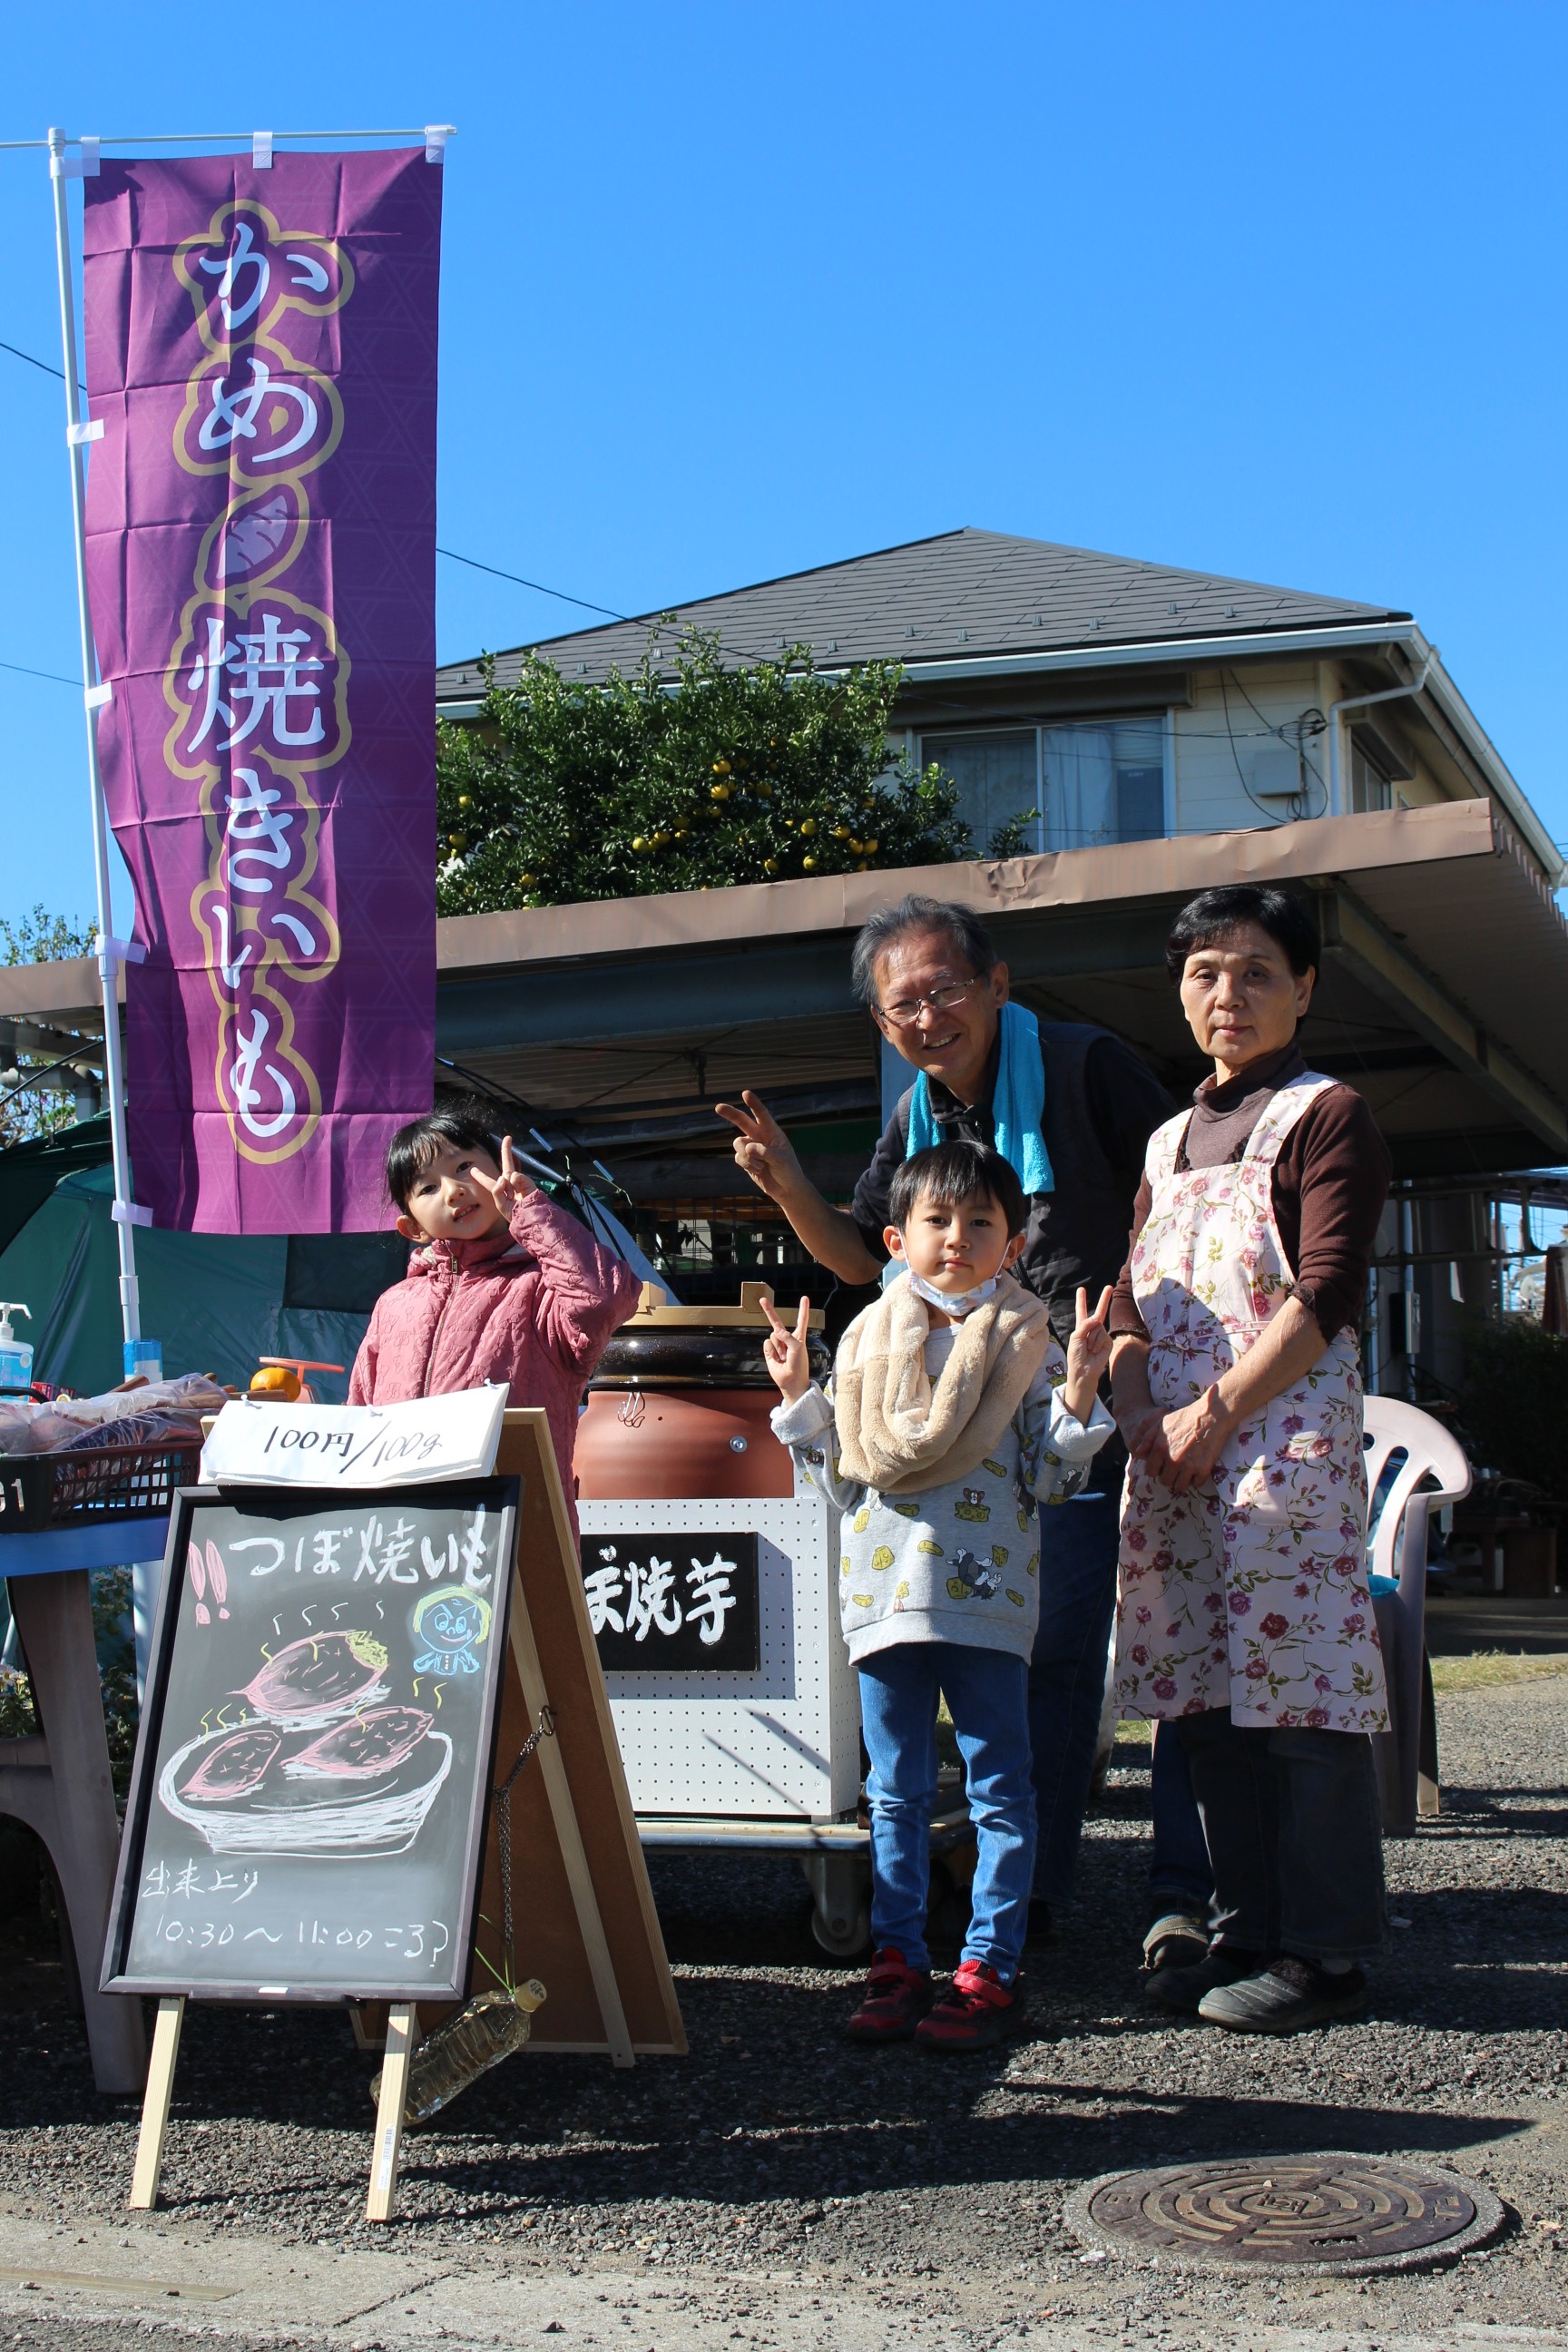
93, 1484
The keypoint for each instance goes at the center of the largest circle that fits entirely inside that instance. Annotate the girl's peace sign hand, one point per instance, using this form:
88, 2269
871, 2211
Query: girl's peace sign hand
785, 1352
506, 1189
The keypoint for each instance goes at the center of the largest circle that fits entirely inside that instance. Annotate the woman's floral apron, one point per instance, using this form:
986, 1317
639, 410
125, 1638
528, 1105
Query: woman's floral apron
1251, 1589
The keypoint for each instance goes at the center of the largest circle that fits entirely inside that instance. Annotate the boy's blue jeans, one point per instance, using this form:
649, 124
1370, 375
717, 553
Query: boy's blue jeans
987, 1696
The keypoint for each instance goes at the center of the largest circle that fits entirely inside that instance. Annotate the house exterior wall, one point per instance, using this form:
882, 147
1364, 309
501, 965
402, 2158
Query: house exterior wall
1230, 741
1222, 754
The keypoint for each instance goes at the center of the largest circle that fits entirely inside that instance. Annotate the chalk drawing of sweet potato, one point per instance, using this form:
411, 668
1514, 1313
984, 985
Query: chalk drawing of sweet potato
321, 1676
234, 1767
364, 1748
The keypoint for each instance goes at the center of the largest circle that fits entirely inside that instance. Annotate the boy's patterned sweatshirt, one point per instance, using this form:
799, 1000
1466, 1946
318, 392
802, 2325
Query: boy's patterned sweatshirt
959, 1563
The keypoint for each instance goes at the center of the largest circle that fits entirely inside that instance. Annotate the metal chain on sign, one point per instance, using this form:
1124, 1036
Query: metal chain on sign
543, 1730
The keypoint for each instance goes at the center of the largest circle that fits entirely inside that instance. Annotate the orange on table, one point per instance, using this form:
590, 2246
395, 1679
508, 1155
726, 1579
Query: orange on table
283, 1377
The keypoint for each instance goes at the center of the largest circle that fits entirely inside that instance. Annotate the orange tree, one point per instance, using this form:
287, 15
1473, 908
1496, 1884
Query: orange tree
564, 791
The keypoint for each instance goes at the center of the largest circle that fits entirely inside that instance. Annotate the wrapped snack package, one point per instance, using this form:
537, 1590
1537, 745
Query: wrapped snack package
134, 1429
189, 1396
157, 1412
46, 1432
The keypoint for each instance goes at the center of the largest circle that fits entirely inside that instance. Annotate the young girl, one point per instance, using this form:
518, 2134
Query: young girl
504, 1285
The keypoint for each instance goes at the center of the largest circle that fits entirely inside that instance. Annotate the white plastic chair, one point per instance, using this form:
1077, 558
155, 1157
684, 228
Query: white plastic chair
1406, 1754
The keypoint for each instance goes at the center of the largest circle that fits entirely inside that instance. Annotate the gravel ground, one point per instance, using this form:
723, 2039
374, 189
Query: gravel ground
778, 2154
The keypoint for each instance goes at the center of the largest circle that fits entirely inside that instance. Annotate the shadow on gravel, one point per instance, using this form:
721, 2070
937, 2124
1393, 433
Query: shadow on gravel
1471, 1813
1052, 2143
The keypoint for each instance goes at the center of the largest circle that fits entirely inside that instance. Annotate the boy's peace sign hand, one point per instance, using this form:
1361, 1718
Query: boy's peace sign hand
509, 1187
1088, 1353
787, 1352
1090, 1345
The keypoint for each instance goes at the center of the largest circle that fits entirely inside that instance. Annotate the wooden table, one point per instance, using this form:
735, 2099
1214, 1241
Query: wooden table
57, 1781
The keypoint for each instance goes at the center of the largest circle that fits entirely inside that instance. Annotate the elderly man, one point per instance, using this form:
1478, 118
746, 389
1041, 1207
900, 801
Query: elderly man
1071, 1109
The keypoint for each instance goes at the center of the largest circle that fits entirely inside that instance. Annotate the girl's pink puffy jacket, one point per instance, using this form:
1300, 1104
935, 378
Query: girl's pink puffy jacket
534, 1307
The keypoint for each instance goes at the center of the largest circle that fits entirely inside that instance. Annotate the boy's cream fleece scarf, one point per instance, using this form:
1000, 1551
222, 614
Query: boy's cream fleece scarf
898, 1433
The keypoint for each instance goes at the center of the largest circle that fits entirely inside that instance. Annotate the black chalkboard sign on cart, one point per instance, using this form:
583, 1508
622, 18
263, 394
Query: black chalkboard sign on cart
306, 1811
339, 1677
315, 1752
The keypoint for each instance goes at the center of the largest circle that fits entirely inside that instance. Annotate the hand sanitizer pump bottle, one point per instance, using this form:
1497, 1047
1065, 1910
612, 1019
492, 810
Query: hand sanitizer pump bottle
16, 1355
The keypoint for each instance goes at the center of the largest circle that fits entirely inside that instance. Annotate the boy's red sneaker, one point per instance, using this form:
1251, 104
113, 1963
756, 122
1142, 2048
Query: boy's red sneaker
895, 2000
975, 2011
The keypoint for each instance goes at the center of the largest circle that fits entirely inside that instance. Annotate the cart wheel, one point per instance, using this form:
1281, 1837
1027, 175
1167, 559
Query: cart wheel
840, 1903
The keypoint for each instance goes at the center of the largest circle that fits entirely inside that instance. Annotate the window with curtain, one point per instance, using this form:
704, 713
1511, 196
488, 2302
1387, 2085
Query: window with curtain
1105, 780
1092, 782
998, 779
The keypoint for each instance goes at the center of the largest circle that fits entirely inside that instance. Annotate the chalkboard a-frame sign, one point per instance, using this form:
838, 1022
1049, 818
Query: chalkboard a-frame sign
307, 1800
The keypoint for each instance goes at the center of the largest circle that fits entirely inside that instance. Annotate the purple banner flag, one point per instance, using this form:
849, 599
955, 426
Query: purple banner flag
261, 508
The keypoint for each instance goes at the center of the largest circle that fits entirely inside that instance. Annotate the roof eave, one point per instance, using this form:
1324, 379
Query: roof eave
1482, 749
1246, 644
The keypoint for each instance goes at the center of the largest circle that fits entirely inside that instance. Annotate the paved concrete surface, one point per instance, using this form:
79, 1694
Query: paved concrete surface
106, 2287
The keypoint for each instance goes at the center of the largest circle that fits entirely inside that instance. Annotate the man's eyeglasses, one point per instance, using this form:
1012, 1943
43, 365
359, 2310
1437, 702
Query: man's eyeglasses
907, 1010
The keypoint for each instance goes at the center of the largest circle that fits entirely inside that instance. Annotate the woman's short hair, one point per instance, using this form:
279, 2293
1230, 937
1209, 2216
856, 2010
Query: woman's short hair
915, 914
1206, 919
952, 1173
462, 1120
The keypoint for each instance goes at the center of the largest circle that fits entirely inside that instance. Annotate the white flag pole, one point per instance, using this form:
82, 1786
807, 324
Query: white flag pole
111, 952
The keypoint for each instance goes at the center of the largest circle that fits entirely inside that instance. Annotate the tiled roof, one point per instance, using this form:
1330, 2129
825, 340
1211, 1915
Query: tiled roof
963, 595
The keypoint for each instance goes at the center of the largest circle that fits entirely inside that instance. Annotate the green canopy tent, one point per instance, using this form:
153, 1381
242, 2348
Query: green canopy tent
217, 1301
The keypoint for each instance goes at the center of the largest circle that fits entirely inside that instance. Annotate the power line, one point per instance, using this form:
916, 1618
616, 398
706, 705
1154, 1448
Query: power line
23, 671
47, 370
538, 585
585, 603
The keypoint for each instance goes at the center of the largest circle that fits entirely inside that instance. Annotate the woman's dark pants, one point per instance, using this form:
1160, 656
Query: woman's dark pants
1291, 1818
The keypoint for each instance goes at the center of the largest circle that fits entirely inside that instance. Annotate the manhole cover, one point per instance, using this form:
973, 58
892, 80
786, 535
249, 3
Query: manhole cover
1345, 2213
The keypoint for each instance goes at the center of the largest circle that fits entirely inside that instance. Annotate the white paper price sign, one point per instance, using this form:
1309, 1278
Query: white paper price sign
256, 1443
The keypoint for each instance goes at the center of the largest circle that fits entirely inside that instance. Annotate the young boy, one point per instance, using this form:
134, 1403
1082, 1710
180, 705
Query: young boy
504, 1287
946, 1431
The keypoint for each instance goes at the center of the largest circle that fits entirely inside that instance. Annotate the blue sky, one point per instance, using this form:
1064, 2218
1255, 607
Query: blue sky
735, 289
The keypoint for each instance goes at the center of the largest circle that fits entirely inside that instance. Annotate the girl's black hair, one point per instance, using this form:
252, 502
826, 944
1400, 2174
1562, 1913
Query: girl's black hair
1204, 920
952, 1173
461, 1120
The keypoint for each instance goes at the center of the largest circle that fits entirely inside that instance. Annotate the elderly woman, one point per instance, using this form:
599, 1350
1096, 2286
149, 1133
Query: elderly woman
1244, 1615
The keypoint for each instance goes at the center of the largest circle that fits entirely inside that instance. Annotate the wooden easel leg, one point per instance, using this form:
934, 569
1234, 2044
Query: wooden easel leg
601, 1967
401, 2032
156, 2104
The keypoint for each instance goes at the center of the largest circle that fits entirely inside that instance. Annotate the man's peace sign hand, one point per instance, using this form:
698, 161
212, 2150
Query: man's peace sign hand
787, 1352
762, 1150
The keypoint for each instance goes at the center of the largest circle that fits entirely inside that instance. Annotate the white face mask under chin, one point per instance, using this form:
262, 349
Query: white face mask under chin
956, 1303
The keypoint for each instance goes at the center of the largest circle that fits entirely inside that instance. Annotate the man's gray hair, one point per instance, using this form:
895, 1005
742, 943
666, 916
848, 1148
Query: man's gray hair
915, 914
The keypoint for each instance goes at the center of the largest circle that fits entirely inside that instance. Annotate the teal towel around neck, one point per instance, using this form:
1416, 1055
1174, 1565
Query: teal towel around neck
1018, 1106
